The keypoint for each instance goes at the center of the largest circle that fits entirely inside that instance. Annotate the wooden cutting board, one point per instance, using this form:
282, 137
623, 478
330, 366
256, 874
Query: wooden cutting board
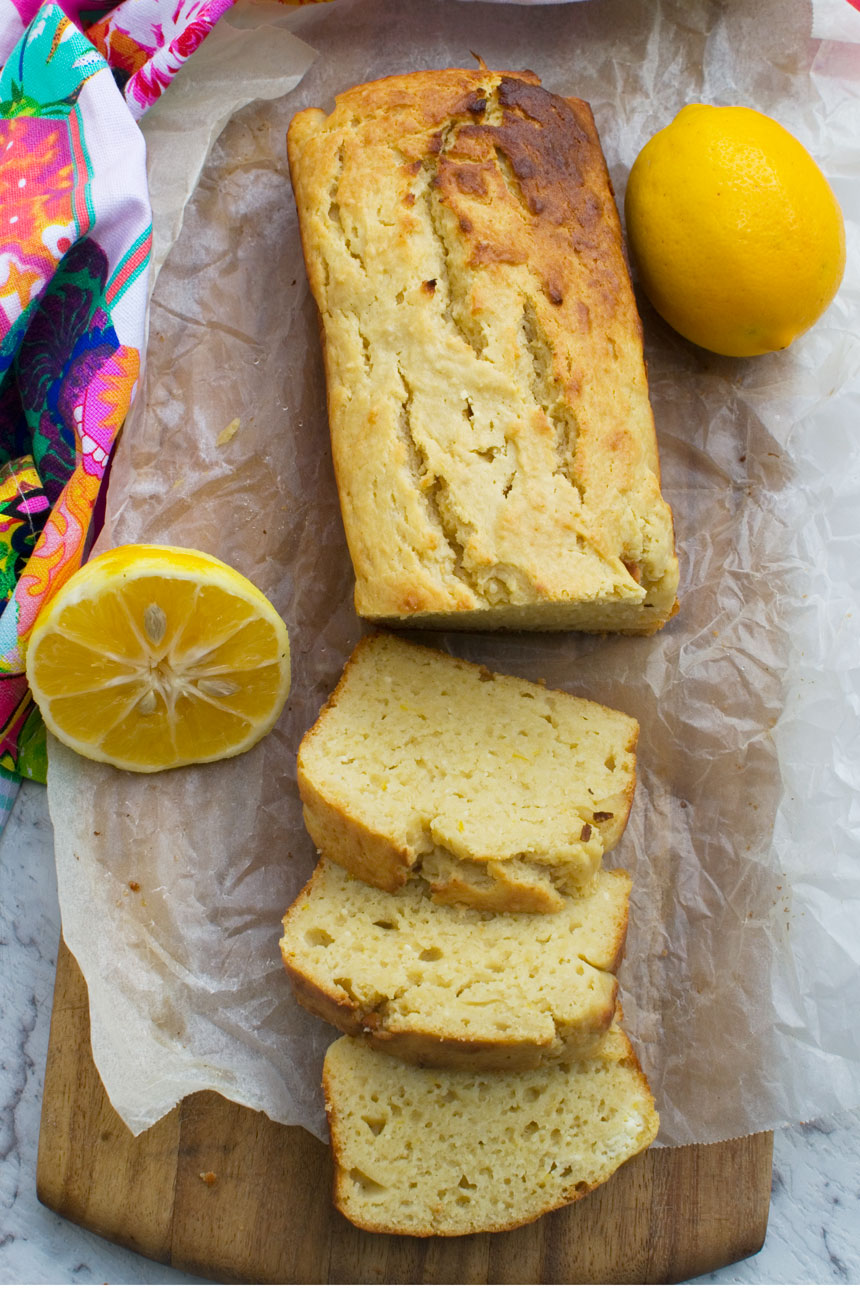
221, 1191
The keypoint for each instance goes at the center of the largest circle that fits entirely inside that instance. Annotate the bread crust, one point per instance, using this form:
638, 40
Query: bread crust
492, 436
366, 852
421, 1047
352, 843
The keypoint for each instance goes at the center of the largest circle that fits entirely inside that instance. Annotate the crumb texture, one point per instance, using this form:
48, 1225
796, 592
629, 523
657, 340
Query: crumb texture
492, 434
504, 793
453, 985
428, 1152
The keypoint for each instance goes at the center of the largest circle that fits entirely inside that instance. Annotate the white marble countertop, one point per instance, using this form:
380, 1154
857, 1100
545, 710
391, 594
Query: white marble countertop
814, 1230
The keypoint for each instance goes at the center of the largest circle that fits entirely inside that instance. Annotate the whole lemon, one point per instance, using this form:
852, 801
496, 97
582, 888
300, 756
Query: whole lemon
737, 235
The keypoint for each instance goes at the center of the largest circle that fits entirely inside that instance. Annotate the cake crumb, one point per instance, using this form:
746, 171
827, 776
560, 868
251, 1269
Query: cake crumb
228, 433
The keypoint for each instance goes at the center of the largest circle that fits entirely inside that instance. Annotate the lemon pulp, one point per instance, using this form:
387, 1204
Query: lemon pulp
152, 657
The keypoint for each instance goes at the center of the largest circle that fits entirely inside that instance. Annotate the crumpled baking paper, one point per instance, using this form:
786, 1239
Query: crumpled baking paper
741, 984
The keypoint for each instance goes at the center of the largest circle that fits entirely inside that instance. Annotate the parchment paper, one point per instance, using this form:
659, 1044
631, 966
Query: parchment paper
740, 985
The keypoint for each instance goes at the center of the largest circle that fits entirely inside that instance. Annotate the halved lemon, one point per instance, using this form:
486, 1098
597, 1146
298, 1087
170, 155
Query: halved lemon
152, 657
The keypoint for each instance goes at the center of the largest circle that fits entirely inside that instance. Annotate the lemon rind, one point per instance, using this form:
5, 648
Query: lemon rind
133, 562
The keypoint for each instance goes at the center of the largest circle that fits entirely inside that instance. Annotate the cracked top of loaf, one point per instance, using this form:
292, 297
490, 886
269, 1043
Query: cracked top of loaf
492, 434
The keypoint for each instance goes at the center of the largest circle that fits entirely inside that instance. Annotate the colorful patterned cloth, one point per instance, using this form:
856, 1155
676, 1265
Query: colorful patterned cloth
836, 20
75, 239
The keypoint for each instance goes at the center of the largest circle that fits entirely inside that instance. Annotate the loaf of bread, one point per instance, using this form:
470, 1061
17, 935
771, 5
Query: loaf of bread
503, 793
425, 1152
492, 434
451, 986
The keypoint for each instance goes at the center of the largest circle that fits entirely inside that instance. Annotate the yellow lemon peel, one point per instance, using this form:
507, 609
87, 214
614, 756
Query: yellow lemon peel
736, 234
152, 657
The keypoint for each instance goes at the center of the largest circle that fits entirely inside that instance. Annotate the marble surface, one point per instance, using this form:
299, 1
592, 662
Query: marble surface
813, 1235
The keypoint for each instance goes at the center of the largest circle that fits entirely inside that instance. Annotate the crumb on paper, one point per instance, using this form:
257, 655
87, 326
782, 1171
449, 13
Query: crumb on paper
209, 1178
228, 432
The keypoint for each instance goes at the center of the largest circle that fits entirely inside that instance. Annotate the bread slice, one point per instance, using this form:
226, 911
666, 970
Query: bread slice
492, 435
505, 794
425, 1152
451, 986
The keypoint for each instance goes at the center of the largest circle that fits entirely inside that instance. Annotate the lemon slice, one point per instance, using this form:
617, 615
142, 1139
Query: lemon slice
152, 657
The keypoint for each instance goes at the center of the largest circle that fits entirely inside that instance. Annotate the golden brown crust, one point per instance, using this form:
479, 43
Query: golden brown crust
420, 1047
352, 843
483, 204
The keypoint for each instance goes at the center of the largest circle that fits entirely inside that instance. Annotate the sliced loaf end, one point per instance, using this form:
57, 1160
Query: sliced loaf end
424, 1152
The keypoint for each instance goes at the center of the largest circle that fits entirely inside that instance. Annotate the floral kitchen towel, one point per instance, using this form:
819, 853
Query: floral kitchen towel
75, 239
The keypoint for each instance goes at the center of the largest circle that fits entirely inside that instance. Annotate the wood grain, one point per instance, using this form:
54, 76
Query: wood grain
267, 1216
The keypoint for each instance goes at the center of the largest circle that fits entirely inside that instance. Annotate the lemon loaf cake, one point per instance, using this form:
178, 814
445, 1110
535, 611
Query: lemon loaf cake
492, 434
503, 793
426, 1152
452, 986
